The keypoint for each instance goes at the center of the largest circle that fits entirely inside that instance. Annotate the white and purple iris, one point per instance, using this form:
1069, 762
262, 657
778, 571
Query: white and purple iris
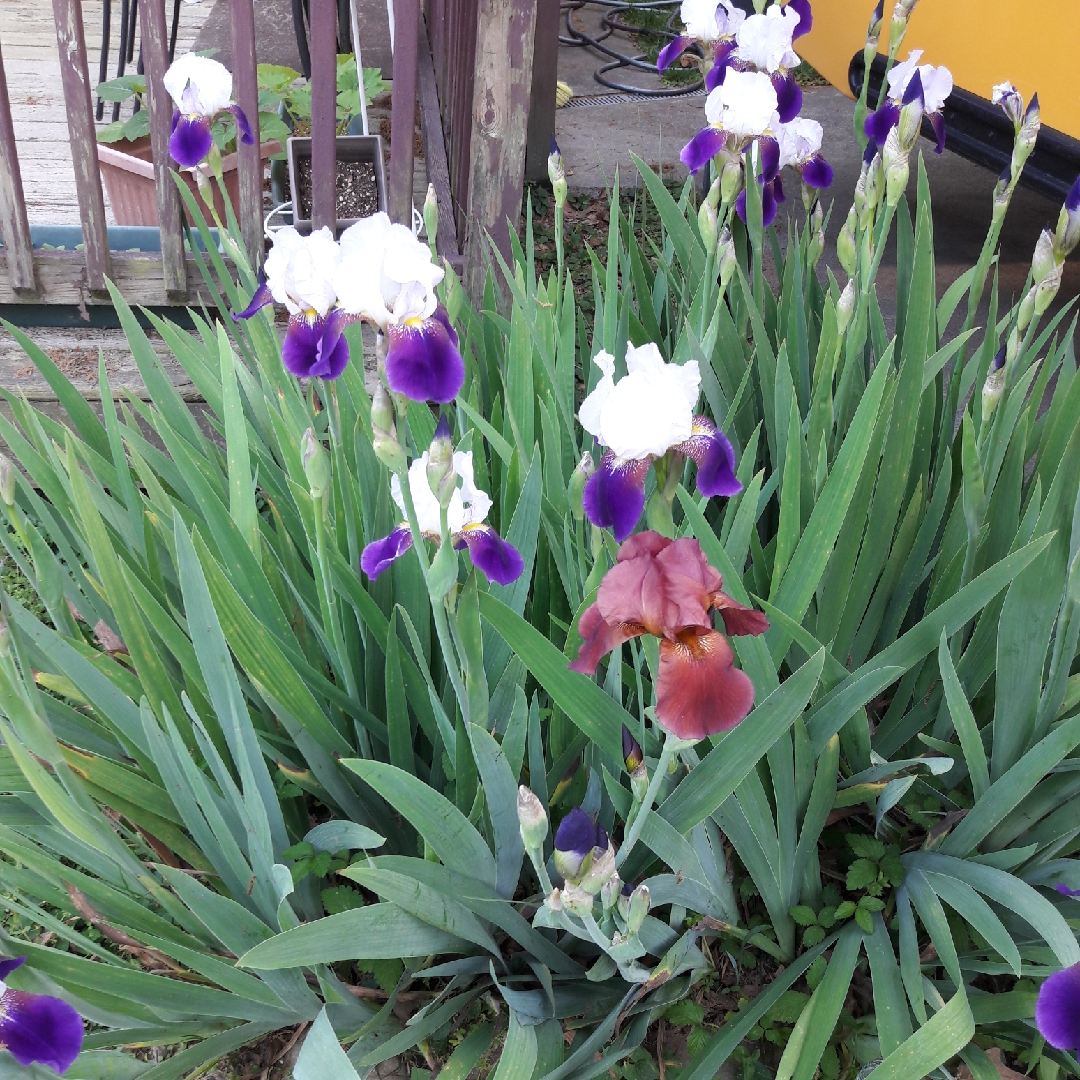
465, 515
579, 842
387, 277
648, 414
35, 1027
907, 82
300, 273
760, 42
201, 90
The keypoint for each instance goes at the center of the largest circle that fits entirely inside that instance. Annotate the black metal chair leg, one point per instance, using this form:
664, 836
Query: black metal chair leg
133, 16
103, 67
299, 16
122, 55
175, 28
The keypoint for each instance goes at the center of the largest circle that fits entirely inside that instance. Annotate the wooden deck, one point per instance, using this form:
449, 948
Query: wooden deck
31, 62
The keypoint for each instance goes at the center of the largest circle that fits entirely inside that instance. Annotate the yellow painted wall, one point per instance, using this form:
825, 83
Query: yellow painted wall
1031, 43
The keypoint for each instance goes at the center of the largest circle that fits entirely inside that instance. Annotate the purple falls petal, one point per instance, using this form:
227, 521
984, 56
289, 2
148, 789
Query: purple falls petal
615, 495
702, 148
769, 203
880, 122
770, 157
190, 141
817, 172
777, 189
37, 1028
379, 554
242, 124
315, 347
8, 966
722, 57
1057, 1011
261, 298
937, 122
715, 459
806, 17
672, 51
788, 96
502, 562
423, 362
576, 834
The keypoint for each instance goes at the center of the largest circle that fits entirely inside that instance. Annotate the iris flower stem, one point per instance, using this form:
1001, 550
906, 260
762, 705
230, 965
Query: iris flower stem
348, 508
559, 255
536, 856
595, 932
438, 611
637, 822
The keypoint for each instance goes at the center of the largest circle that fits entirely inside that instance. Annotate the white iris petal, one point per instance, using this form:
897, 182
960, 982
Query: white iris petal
901, 74
799, 140
589, 413
468, 505
765, 40
300, 270
211, 81
746, 101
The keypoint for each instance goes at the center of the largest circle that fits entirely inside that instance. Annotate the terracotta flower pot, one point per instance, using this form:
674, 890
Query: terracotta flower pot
128, 175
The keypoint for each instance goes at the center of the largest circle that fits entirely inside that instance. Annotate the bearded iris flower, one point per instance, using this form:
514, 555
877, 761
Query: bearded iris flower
713, 26
35, 1027
646, 415
1057, 1010
300, 273
763, 43
201, 90
387, 278
465, 514
935, 84
667, 588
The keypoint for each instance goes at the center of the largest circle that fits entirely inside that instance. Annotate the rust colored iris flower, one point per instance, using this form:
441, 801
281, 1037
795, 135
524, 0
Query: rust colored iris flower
667, 588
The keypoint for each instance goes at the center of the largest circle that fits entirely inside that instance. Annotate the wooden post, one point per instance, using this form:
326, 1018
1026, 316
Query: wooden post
323, 114
71, 44
14, 226
403, 109
542, 102
246, 92
155, 51
505, 33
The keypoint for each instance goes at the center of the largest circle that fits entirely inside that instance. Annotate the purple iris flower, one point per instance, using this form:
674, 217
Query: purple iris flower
299, 272
201, 89
35, 1027
907, 82
1057, 1010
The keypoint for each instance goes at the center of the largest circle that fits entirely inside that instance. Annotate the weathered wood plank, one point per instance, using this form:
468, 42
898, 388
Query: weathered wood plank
323, 114
62, 279
155, 49
542, 100
403, 109
246, 89
14, 225
71, 45
505, 32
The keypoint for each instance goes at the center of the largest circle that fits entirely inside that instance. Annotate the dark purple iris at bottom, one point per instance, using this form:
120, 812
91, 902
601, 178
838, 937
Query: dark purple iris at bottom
715, 459
423, 361
702, 148
615, 494
816, 172
316, 348
379, 554
37, 1028
1057, 1011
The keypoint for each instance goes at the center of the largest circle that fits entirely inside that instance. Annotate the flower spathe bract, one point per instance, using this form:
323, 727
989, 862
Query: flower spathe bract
466, 512
201, 89
647, 414
387, 278
667, 588
36, 1028
299, 273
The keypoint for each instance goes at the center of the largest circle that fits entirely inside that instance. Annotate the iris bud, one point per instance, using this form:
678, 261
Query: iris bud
726, 257
631, 749
1026, 136
909, 125
609, 892
1047, 289
1023, 317
845, 306
440, 467
532, 819
995, 383
624, 901
638, 909
600, 869
577, 841
578, 479
7, 481
390, 452
431, 217
382, 411
639, 782
897, 169
1042, 262
316, 464
577, 901
556, 173
707, 225
731, 178
1068, 226
873, 31
1012, 104
845, 244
